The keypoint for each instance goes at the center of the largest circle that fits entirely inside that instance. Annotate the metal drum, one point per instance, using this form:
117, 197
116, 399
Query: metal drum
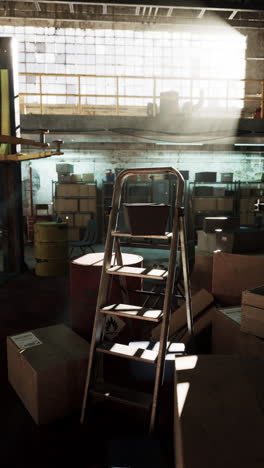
85, 273
51, 249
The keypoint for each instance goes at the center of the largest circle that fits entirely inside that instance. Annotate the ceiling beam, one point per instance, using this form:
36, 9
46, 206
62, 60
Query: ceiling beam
121, 13
213, 5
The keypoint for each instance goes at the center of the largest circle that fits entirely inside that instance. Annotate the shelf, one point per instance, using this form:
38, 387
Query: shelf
75, 183
128, 352
135, 312
150, 273
74, 212
121, 395
213, 183
213, 211
76, 198
167, 235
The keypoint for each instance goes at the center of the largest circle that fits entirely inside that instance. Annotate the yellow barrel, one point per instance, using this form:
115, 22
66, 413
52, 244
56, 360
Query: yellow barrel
51, 249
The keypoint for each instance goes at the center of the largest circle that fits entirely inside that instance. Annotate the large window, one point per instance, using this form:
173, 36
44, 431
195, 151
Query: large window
208, 64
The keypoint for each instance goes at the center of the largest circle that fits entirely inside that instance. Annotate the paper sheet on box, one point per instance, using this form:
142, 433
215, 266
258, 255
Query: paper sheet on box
26, 340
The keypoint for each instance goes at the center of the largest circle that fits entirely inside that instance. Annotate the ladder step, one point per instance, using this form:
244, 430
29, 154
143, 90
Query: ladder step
132, 311
153, 273
129, 352
122, 395
167, 235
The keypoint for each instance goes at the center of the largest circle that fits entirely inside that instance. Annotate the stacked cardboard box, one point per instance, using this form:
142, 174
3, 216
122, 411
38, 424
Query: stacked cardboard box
240, 240
227, 337
233, 273
253, 312
76, 204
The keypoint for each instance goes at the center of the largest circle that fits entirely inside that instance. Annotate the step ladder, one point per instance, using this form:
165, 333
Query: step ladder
157, 354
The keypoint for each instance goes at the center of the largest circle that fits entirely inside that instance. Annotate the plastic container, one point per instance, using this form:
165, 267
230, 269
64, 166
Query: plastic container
146, 218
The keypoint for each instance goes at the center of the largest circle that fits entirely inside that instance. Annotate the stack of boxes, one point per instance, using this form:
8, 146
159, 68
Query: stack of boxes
252, 318
240, 330
249, 194
75, 199
214, 205
211, 200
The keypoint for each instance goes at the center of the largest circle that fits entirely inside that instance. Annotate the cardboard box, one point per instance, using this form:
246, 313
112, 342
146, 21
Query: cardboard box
224, 204
247, 204
81, 220
74, 234
202, 273
88, 206
62, 178
227, 176
247, 219
233, 273
84, 190
218, 415
200, 302
252, 321
205, 176
254, 297
219, 191
88, 177
227, 337
66, 205
204, 204
203, 191
211, 223
76, 178
201, 323
47, 369
87, 190
206, 241
244, 192
241, 240
64, 168
67, 190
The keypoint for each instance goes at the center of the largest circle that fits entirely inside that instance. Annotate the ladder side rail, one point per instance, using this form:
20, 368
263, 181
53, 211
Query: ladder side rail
122, 279
168, 295
103, 288
186, 276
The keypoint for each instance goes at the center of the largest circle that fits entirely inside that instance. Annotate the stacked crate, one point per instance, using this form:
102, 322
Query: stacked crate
75, 201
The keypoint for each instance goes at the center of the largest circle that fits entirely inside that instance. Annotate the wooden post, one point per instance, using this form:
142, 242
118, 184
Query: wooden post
13, 253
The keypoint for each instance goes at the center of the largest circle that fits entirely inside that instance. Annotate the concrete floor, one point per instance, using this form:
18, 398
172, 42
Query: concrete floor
28, 302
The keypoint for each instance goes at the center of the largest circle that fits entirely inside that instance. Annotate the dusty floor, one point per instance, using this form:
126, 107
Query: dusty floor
29, 302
